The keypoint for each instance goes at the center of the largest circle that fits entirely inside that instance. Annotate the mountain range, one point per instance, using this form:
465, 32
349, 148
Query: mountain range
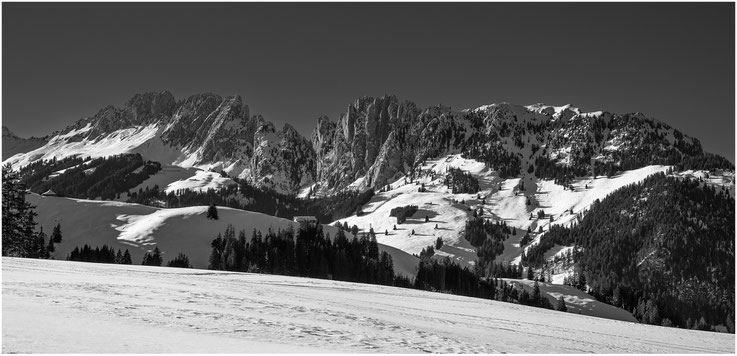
374, 142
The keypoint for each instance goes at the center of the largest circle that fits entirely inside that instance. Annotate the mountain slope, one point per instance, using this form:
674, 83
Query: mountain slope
203, 131
139, 228
449, 212
12, 144
121, 307
663, 247
380, 139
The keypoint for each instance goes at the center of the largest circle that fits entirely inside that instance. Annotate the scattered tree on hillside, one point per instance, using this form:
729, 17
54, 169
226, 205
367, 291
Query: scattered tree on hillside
212, 212
403, 212
561, 305
50, 247
56, 234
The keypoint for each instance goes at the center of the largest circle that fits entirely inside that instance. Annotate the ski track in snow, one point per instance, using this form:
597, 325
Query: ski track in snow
60, 306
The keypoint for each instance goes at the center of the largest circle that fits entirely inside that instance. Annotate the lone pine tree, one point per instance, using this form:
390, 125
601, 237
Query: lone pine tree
212, 212
561, 305
56, 234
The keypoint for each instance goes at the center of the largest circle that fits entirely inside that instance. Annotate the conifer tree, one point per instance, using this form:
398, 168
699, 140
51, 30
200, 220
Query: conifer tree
39, 247
212, 212
561, 305
152, 258
181, 261
56, 234
127, 260
50, 247
373, 251
536, 293
18, 237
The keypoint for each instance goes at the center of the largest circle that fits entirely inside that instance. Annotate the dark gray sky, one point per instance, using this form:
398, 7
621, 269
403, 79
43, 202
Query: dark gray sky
295, 62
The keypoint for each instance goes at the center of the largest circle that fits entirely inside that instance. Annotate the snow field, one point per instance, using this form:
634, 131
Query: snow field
96, 308
117, 142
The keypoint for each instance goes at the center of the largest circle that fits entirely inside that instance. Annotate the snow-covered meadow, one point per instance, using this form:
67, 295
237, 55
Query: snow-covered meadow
73, 307
140, 228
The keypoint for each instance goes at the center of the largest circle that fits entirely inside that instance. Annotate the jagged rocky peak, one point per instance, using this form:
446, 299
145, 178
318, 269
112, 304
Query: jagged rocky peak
322, 135
282, 160
141, 109
361, 111
348, 149
290, 132
197, 107
376, 140
148, 107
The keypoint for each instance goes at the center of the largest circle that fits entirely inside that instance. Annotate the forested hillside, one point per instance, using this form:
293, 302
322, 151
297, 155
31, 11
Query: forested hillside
77, 177
663, 249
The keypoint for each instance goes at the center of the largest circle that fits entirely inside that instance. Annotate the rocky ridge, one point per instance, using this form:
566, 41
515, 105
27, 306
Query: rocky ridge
376, 141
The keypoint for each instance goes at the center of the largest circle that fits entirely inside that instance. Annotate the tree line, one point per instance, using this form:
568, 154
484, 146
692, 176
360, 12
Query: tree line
307, 252
107, 254
245, 196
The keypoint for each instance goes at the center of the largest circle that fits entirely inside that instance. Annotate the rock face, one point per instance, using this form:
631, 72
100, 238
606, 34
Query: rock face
360, 143
380, 139
140, 110
282, 160
375, 142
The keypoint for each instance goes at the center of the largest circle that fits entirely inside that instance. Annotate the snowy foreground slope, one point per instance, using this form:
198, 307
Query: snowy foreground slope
62, 307
140, 228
